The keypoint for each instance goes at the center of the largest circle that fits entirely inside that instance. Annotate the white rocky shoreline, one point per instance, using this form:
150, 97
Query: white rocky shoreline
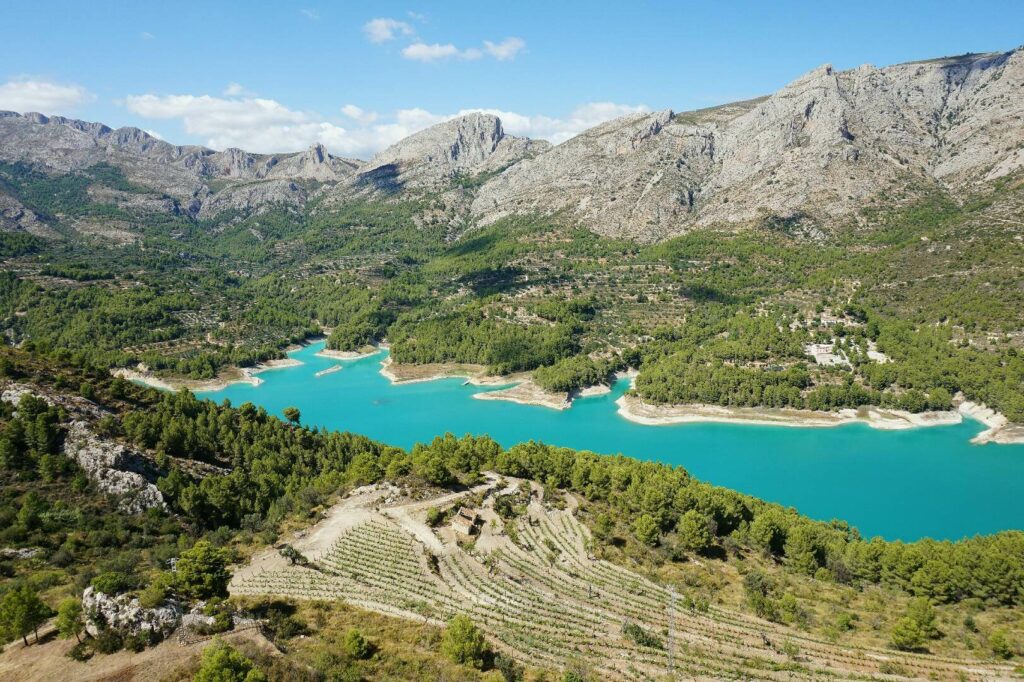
999, 430
245, 375
520, 388
347, 354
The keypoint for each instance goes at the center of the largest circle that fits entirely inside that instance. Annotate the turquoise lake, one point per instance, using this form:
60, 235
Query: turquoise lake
927, 482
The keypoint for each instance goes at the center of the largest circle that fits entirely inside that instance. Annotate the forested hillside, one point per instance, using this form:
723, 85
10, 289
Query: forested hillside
914, 305
233, 479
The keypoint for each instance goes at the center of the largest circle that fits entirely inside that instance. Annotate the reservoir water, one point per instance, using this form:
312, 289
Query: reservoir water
925, 482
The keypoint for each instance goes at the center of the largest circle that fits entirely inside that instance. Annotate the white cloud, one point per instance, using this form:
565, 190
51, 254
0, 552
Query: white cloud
435, 52
236, 90
153, 133
146, 35
358, 114
384, 29
255, 124
422, 52
265, 125
506, 49
47, 97
310, 14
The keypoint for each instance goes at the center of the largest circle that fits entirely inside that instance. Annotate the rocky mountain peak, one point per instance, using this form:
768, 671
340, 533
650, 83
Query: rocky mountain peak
316, 153
315, 163
234, 163
465, 145
454, 144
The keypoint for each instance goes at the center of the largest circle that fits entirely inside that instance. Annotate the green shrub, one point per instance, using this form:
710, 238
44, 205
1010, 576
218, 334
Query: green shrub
357, 646
153, 595
223, 663
906, 634
202, 572
80, 652
434, 516
646, 530
641, 637
463, 643
1000, 645
108, 641
112, 583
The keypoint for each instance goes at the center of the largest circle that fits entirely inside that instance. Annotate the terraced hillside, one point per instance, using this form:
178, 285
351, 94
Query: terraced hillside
541, 596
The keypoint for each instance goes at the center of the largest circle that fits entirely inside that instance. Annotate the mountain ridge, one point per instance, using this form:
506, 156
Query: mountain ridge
816, 150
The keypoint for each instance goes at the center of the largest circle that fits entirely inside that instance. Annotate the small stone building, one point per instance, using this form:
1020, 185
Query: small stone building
466, 522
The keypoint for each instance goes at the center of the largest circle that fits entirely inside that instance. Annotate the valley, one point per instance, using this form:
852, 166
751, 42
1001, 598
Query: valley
480, 406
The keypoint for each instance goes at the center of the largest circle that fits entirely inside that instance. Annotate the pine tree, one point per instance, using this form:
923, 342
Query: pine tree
69, 619
22, 612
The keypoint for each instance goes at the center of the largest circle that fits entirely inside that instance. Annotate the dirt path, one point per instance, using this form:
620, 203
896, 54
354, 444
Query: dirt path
169, 660
351, 512
407, 515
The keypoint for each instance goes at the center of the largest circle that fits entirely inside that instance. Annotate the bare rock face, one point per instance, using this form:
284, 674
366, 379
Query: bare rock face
13, 394
116, 469
631, 177
125, 614
134, 201
15, 217
20, 552
466, 146
254, 198
314, 164
818, 147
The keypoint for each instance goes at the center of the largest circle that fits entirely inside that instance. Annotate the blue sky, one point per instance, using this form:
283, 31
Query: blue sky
278, 76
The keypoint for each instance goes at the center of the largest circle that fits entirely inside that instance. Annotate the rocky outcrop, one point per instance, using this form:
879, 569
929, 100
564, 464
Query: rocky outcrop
125, 614
20, 552
314, 164
13, 394
116, 469
134, 201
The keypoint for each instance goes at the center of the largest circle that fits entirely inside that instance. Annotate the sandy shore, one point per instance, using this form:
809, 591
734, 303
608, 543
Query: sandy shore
402, 373
346, 354
999, 430
521, 388
528, 393
636, 410
590, 391
235, 375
